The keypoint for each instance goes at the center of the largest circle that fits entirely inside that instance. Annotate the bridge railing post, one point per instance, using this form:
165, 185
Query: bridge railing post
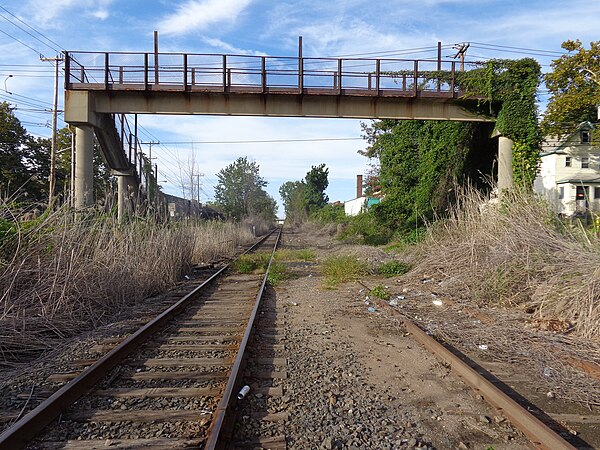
339, 74
224, 73
301, 74
263, 73
146, 84
452, 78
68, 71
378, 76
416, 76
106, 70
185, 72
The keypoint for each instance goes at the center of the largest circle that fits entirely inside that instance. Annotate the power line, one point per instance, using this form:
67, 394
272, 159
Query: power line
531, 50
27, 32
265, 141
36, 31
20, 42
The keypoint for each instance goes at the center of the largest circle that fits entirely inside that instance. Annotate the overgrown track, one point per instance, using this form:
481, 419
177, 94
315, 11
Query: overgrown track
168, 385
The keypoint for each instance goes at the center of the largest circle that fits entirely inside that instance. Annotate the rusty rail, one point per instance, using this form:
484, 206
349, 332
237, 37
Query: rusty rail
33, 422
538, 433
187, 72
223, 409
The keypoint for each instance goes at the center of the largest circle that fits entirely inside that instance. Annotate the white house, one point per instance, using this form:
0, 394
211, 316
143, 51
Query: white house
569, 176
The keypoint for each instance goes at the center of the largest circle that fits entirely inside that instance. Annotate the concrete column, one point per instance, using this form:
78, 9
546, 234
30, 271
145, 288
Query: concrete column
84, 166
122, 198
505, 168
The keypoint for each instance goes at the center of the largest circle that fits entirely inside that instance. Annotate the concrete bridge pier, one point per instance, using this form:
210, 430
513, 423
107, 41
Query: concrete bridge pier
84, 166
127, 194
505, 167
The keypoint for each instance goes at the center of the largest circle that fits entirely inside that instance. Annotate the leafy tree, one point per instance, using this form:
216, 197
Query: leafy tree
13, 137
240, 192
316, 182
292, 194
575, 87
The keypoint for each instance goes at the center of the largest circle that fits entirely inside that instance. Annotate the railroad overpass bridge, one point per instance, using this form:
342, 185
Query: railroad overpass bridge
102, 88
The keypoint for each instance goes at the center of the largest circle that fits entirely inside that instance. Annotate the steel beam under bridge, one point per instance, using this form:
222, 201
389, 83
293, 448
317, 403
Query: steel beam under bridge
84, 106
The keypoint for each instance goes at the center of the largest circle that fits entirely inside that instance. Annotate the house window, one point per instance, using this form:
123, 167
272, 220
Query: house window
561, 192
585, 136
581, 193
597, 192
585, 162
567, 161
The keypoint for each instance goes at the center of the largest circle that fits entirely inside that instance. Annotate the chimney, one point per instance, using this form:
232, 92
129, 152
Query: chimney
359, 186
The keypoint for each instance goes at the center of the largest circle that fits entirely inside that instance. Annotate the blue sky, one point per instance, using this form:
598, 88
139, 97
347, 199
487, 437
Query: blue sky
510, 29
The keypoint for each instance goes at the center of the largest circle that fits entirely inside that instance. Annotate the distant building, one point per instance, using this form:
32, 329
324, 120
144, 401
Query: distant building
181, 208
569, 176
360, 203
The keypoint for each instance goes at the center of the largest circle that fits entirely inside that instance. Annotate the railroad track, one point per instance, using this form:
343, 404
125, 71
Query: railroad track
168, 385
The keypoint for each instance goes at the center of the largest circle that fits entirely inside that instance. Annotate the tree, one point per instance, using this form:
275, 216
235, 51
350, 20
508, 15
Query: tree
316, 183
14, 174
293, 196
574, 84
240, 192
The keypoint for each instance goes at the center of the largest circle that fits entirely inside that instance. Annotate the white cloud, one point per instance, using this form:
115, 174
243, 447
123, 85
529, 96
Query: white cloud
195, 15
228, 48
46, 11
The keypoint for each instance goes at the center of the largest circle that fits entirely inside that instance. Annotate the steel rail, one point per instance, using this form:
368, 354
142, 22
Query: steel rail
220, 416
33, 423
538, 432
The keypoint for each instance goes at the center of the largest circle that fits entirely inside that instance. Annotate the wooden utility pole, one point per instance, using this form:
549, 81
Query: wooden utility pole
461, 53
52, 180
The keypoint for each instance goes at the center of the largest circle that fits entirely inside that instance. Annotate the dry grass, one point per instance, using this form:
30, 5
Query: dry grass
60, 277
517, 254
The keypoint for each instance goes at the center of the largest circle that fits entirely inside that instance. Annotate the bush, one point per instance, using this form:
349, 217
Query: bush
365, 229
393, 268
330, 214
341, 269
380, 291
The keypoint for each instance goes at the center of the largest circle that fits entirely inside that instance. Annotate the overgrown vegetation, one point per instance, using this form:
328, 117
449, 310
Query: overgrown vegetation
393, 268
60, 277
341, 269
518, 254
380, 291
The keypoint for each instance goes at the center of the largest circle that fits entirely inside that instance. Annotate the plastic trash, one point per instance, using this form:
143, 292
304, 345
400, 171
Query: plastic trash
547, 372
393, 302
482, 347
437, 302
243, 392
371, 309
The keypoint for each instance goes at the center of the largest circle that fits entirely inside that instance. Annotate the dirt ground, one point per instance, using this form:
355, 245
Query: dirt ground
357, 380
352, 369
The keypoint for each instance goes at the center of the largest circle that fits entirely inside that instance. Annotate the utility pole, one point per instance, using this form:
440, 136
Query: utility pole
52, 181
461, 53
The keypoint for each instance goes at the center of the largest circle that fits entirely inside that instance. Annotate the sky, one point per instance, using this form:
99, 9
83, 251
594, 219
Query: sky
392, 29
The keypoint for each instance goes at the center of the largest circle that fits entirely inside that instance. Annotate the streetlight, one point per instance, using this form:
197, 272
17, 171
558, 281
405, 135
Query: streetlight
5, 80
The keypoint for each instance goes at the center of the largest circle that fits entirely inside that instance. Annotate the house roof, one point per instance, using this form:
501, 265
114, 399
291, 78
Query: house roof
580, 178
565, 142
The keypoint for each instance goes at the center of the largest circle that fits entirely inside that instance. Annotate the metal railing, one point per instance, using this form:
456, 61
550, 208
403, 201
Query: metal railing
258, 74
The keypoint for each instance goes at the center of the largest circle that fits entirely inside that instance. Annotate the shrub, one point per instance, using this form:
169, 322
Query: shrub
340, 269
393, 268
380, 291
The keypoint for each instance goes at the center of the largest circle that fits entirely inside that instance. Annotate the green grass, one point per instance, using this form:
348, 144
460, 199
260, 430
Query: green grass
303, 254
380, 291
277, 273
252, 262
393, 268
340, 269
257, 263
